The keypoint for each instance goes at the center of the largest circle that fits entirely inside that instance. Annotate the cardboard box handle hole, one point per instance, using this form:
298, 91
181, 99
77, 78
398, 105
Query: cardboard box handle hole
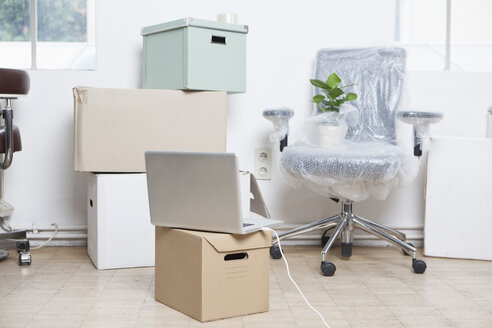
236, 256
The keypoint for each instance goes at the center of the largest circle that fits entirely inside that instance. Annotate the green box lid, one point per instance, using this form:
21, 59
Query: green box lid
189, 21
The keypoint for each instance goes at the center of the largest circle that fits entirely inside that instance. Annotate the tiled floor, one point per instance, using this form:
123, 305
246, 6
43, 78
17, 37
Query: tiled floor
375, 288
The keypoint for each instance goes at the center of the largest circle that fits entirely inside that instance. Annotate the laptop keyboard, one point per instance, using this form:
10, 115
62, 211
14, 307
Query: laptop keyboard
247, 224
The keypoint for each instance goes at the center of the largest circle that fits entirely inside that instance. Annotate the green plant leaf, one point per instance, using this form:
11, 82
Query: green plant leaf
351, 96
333, 81
318, 98
320, 84
321, 108
334, 93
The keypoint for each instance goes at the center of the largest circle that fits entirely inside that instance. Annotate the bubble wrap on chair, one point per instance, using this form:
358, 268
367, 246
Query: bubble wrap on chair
378, 75
368, 162
353, 171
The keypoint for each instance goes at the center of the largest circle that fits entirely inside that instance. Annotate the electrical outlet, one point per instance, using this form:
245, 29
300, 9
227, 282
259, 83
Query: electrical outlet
263, 163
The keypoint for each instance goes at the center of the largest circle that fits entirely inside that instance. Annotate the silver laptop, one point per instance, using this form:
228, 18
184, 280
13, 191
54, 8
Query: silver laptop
197, 191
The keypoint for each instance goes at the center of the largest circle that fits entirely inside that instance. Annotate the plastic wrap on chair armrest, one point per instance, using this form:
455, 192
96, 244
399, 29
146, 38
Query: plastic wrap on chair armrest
419, 117
280, 118
420, 121
278, 113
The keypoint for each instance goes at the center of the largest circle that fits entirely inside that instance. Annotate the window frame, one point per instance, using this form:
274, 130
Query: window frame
34, 43
447, 45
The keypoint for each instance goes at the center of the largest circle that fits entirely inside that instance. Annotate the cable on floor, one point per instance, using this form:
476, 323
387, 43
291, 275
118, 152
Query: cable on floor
4, 224
47, 241
292, 280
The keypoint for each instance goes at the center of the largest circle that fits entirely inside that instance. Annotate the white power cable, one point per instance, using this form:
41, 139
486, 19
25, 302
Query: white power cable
4, 224
292, 280
47, 241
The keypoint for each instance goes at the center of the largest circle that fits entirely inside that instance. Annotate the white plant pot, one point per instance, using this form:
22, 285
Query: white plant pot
331, 135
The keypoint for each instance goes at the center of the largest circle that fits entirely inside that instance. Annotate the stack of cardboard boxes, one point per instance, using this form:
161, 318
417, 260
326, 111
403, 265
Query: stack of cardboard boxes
113, 129
203, 274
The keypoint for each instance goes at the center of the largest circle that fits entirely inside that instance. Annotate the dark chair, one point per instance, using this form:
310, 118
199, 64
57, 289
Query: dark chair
13, 83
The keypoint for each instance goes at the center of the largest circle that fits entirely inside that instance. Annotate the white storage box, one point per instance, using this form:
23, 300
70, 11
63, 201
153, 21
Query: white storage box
458, 203
119, 231
194, 54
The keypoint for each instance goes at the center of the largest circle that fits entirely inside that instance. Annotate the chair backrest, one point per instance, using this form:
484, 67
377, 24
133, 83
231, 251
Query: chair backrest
379, 76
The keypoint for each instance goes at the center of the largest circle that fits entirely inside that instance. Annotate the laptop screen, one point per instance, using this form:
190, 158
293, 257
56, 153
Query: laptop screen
194, 190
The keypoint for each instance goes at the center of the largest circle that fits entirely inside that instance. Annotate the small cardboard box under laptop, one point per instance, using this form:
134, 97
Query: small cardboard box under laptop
207, 264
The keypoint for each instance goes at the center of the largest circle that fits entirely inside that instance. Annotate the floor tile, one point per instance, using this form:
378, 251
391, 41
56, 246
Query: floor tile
375, 288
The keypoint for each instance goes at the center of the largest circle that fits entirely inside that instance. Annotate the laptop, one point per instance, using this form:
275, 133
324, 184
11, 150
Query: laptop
198, 191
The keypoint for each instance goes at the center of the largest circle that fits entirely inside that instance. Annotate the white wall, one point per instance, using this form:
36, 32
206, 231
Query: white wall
284, 37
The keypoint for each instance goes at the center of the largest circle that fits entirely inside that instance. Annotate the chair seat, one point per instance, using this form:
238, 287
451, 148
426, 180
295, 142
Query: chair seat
351, 171
13, 82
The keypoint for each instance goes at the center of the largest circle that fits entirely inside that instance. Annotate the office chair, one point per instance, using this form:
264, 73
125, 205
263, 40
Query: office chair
369, 162
13, 83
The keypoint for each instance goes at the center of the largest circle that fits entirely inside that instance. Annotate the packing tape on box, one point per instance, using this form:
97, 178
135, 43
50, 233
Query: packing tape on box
228, 18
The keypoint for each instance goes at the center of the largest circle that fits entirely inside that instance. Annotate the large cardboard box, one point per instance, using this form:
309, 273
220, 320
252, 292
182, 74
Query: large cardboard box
114, 127
119, 232
211, 276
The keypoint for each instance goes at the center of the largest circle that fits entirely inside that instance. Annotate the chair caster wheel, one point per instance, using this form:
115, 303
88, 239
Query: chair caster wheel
405, 252
419, 266
275, 252
24, 258
328, 268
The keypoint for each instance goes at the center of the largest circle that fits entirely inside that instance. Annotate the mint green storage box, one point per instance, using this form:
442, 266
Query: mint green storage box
195, 54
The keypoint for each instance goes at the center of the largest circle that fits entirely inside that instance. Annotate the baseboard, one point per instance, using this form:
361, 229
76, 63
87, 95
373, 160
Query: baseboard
415, 235
66, 235
77, 236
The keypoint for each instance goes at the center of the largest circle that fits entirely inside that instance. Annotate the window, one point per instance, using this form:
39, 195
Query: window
62, 38
446, 34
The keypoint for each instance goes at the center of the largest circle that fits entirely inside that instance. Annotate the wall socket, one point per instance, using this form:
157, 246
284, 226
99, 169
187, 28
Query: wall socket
263, 163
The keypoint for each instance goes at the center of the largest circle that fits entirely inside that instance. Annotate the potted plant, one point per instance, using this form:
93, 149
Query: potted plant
331, 124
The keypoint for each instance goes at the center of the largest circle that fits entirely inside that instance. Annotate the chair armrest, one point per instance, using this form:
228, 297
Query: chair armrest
420, 121
17, 144
280, 118
417, 117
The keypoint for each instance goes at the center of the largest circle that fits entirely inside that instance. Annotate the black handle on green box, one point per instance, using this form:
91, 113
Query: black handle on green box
218, 39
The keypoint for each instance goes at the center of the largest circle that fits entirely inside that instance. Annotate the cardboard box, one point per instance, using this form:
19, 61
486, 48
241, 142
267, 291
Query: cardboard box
114, 127
211, 276
119, 232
